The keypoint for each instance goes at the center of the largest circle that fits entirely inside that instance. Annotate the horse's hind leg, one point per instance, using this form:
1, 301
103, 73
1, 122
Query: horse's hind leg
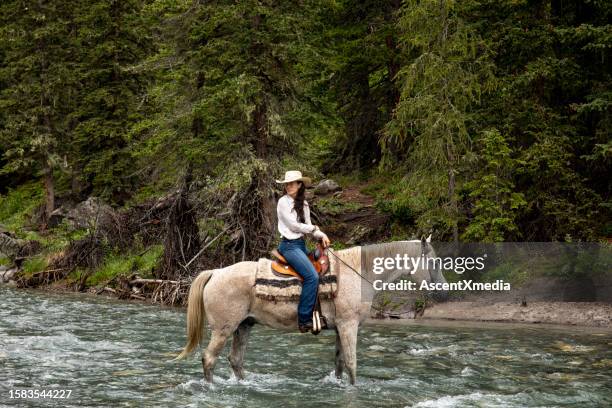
239, 342
214, 348
339, 356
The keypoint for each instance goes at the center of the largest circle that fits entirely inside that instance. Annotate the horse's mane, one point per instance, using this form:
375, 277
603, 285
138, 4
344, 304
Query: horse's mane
353, 256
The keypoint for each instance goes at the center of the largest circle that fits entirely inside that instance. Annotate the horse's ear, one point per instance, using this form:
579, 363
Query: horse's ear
428, 239
425, 247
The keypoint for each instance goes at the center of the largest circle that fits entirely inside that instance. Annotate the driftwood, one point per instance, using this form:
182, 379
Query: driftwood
163, 291
145, 281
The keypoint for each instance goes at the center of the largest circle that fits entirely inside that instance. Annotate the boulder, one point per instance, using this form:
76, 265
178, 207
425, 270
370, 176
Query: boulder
9, 244
326, 187
57, 216
7, 275
86, 213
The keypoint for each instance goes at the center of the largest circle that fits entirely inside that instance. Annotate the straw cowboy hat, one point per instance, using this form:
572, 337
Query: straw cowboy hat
295, 175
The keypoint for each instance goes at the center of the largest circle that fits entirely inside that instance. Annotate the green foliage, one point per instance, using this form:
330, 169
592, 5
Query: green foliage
359, 42
18, 204
492, 192
334, 206
492, 117
385, 303
444, 80
510, 272
34, 265
113, 38
126, 264
37, 81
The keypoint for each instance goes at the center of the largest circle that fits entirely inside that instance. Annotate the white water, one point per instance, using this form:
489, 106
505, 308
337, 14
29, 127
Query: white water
112, 353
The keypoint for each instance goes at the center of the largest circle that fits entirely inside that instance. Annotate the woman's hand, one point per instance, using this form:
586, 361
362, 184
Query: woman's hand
318, 234
325, 241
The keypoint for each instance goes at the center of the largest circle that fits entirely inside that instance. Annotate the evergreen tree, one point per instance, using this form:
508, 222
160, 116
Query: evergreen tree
439, 89
39, 88
552, 105
495, 203
113, 40
365, 59
232, 102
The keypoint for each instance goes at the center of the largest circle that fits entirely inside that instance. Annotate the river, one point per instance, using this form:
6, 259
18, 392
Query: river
114, 353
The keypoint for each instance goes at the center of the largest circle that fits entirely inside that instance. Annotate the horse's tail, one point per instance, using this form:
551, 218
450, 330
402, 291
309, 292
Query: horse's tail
195, 313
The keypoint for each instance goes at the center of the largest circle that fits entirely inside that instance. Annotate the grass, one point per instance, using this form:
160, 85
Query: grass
34, 265
18, 204
123, 265
509, 272
334, 206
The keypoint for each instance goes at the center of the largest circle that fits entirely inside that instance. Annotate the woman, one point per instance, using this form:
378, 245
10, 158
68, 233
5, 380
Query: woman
293, 222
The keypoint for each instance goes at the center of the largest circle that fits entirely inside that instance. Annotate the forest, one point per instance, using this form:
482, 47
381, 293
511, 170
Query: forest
473, 120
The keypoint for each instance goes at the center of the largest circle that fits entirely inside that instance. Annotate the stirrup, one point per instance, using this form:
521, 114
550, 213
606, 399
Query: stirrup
319, 322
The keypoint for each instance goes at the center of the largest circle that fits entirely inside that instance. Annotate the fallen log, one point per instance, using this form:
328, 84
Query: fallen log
156, 281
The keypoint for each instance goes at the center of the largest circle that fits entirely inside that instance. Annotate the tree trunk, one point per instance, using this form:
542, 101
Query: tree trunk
259, 131
453, 203
49, 190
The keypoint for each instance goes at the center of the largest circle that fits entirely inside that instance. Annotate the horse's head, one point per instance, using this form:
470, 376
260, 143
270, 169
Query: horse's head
431, 271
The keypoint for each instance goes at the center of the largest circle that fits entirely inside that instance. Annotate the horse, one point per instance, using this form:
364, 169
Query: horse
225, 298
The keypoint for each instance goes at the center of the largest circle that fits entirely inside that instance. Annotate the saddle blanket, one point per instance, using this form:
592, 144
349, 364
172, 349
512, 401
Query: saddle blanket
270, 285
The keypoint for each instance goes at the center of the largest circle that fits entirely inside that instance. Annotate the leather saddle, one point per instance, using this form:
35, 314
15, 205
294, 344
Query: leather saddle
318, 258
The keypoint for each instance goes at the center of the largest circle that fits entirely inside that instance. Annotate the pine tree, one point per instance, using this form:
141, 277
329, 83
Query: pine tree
552, 104
113, 40
495, 203
439, 89
362, 40
39, 88
232, 104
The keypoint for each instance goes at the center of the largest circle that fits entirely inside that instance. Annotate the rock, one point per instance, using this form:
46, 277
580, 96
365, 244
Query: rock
86, 213
7, 275
359, 233
57, 216
326, 186
10, 245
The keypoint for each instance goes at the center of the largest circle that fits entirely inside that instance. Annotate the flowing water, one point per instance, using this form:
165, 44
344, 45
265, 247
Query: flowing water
112, 353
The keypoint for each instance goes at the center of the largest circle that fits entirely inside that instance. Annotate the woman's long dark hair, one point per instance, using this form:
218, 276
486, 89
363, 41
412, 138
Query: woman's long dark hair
298, 203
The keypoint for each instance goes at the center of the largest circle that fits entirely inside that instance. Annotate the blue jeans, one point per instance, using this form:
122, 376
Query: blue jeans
294, 251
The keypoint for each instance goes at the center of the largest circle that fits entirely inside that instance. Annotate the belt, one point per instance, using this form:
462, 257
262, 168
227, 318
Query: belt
294, 239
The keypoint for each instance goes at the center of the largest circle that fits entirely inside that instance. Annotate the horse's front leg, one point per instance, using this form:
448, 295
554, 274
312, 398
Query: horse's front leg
348, 340
339, 356
239, 342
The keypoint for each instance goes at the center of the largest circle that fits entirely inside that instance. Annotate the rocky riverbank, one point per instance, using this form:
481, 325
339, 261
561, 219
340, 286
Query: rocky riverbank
7, 275
595, 314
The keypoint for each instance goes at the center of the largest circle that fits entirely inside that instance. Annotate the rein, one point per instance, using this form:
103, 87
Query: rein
357, 273
349, 266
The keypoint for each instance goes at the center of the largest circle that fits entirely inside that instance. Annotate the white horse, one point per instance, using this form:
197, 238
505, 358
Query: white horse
226, 298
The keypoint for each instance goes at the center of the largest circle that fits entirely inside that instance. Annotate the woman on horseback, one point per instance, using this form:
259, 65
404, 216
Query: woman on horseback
293, 222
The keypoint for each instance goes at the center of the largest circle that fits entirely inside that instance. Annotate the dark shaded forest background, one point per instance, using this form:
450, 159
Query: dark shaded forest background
477, 120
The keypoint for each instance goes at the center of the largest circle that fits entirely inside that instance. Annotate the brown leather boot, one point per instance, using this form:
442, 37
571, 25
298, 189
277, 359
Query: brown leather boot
305, 328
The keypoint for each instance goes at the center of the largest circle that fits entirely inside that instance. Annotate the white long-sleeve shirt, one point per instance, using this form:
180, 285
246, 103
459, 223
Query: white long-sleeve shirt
288, 224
